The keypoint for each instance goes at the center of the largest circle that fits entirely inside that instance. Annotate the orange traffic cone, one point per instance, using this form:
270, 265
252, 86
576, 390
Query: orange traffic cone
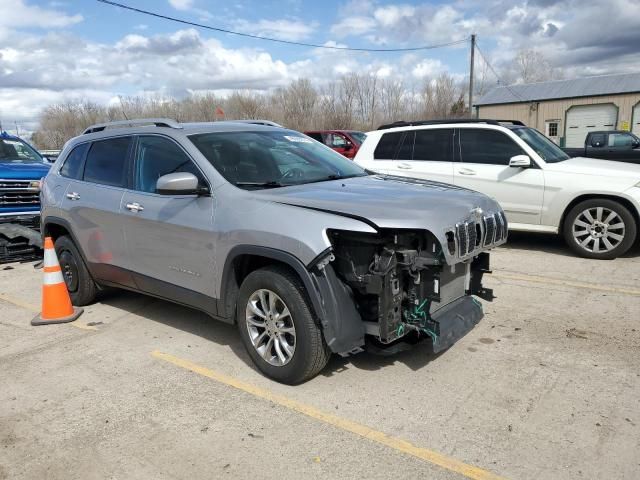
56, 304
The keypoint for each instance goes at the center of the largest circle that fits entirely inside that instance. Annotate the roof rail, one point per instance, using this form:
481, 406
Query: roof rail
135, 122
402, 123
267, 123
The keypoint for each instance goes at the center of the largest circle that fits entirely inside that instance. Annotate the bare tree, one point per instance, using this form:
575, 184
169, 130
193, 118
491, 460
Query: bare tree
295, 105
241, 105
392, 100
532, 66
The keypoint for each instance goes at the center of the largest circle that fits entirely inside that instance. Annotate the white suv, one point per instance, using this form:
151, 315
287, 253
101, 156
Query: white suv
594, 204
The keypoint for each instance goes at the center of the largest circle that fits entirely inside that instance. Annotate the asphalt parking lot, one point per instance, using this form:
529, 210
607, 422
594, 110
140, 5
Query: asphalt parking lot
547, 386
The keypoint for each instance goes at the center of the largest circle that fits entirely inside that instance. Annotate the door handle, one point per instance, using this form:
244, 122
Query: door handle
466, 171
73, 196
134, 207
405, 166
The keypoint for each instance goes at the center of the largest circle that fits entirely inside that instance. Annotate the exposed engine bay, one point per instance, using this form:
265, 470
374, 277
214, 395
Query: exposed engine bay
400, 281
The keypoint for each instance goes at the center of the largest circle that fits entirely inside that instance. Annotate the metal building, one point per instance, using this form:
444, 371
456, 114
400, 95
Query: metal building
565, 110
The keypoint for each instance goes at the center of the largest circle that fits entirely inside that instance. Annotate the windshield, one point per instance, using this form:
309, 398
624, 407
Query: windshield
16, 151
548, 151
358, 136
272, 159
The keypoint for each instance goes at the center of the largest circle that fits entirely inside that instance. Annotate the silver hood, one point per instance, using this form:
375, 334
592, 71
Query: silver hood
391, 202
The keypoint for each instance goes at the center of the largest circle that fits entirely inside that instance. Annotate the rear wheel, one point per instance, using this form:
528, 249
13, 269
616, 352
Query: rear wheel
599, 228
277, 326
82, 289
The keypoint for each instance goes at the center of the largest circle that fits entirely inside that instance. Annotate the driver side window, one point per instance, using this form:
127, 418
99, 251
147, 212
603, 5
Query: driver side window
158, 156
486, 146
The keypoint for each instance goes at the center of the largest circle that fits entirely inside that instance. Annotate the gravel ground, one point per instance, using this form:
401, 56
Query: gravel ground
547, 386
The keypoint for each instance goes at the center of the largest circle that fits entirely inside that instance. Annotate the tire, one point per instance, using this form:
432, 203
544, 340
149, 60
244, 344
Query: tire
304, 350
591, 221
81, 286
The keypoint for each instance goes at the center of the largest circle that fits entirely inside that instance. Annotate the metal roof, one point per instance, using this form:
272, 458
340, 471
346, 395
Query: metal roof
577, 87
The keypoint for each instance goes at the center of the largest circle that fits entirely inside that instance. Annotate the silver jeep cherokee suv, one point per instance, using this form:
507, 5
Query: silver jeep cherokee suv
264, 227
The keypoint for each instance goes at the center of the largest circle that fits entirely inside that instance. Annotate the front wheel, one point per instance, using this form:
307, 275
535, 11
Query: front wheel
600, 229
277, 326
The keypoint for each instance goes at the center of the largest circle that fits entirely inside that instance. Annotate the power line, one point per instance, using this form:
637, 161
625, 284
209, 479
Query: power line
271, 39
513, 92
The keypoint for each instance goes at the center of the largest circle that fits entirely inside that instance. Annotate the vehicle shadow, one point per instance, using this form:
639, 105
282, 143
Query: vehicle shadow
549, 243
200, 324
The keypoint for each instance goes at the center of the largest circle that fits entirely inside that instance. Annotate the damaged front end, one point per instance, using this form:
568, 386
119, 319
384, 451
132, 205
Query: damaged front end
402, 287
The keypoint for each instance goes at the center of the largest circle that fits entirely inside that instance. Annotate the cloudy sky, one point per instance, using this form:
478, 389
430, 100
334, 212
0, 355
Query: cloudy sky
57, 50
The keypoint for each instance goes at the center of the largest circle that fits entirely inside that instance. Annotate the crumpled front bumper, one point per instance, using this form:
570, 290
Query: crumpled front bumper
455, 320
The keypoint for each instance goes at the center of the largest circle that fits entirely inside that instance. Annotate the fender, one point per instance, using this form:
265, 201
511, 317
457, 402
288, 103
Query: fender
331, 300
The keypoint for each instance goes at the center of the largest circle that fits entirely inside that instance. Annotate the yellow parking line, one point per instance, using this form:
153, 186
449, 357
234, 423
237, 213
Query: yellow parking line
398, 444
33, 308
567, 283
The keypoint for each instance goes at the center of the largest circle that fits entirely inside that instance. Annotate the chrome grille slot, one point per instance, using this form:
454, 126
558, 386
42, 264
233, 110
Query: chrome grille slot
490, 230
463, 238
471, 235
505, 225
499, 228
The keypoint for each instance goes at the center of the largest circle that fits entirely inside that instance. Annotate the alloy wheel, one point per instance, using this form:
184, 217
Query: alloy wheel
598, 229
271, 328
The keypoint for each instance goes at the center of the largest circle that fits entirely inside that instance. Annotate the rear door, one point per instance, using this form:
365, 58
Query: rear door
168, 236
428, 154
484, 167
92, 202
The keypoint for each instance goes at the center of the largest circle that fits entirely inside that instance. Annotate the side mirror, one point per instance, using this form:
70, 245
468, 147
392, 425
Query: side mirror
348, 146
181, 183
635, 144
520, 161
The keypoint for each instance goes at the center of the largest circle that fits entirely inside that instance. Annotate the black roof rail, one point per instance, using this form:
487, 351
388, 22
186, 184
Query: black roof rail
402, 123
134, 122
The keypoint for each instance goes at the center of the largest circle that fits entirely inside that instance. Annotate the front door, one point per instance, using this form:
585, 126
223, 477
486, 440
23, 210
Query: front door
484, 167
168, 236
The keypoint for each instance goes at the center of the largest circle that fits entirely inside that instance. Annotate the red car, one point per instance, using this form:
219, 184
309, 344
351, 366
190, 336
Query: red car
345, 142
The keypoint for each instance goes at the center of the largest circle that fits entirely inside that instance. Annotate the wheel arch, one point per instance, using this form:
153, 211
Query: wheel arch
244, 259
331, 300
591, 196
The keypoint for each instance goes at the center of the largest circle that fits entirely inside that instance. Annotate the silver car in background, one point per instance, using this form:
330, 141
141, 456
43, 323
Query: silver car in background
308, 253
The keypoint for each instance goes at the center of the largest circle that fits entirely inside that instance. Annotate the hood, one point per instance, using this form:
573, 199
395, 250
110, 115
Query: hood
389, 202
594, 166
23, 171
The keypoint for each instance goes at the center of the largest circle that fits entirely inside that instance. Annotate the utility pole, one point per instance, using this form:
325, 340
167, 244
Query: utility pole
17, 131
473, 51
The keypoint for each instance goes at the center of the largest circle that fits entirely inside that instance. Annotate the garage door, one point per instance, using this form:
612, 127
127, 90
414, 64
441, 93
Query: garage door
635, 128
587, 118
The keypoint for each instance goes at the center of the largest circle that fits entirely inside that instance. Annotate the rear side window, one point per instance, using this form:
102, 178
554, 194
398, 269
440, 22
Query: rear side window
71, 168
433, 145
157, 156
388, 146
487, 146
106, 162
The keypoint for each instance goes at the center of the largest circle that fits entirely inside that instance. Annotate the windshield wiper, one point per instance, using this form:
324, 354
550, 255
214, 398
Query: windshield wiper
271, 184
336, 177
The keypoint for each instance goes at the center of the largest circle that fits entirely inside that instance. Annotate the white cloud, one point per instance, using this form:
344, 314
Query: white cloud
283, 29
22, 14
428, 68
353, 26
181, 4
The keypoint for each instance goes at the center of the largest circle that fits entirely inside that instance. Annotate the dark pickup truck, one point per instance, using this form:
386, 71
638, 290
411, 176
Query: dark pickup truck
616, 145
